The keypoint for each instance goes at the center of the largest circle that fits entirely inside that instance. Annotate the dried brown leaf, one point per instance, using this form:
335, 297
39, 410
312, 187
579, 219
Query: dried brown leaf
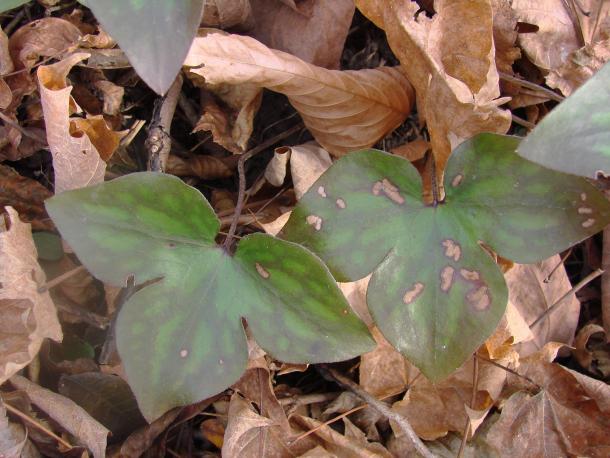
592, 351
344, 111
68, 414
6, 63
317, 38
26, 315
225, 13
12, 437
76, 159
505, 35
450, 60
531, 295
201, 166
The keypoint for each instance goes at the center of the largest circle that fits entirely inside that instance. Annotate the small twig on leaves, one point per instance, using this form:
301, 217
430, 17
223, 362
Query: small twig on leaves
508, 369
580, 285
37, 425
522, 122
382, 408
473, 400
60, 278
159, 143
242, 177
535, 87
559, 264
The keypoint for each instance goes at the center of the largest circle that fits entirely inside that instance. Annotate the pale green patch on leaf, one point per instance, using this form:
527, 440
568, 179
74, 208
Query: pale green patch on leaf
436, 294
154, 34
181, 338
575, 136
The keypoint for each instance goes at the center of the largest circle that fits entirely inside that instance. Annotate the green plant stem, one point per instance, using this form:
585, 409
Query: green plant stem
581, 284
242, 178
383, 409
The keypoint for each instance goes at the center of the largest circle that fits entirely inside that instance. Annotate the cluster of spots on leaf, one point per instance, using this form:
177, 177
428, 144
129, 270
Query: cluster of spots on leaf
413, 293
585, 211
388, 189
457, 180
261, 271
315, 221
322, 191
453, 250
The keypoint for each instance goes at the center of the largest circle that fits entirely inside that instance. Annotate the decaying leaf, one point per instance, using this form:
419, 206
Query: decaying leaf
12, 437
436, 294
26, 315
344, 111
450, 60
68, 414
76, 144
532, 291
317, 38
225, 13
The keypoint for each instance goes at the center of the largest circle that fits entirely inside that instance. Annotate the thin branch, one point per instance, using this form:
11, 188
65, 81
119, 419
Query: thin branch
535, 87
522, 122
383, 409
473, 399
159, 143
242, 177
508, 369
581, 284
60, 278
37, 425
559, 264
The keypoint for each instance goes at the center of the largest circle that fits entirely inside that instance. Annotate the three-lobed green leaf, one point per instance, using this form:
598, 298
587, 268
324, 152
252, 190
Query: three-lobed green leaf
154, 34
181, 338
436, 294
575, 136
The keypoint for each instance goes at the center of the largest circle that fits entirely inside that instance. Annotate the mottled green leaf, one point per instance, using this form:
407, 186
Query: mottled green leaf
181, 338
436, 294
575, 136
154, 34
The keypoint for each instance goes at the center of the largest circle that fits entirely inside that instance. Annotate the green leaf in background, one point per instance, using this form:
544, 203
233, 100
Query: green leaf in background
48, 246
6, 5
436, 294
181, 338
154, 34
575, 136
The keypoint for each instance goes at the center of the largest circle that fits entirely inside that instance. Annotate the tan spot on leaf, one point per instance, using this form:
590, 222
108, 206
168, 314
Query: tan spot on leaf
322, 191
184, 353
345, 311
583, 196
341, 204
221, 362
585, 210
261, 271
315, 221
447, 278
453, 250
479, 298
388, 188
470, 275
413, 293
457, 180
588, 223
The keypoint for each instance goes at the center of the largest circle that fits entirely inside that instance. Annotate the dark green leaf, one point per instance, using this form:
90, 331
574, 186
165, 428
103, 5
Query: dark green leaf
154, 34
48, 246
575, 136
181, 339
436, 294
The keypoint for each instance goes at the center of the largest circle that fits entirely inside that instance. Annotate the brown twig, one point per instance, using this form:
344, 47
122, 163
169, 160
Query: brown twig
508, 369
158, 142
522, 122
535, 87
60, 278
242, 177
473, 399
559, 264
382, 408
581, 284
37, 425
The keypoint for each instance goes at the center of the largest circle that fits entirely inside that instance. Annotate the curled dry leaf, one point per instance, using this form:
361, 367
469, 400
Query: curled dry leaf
591, 350
344, 110
532, 295
68, 414
26, 315
201, 166
317, 38
76, 145
450, 60
225, 13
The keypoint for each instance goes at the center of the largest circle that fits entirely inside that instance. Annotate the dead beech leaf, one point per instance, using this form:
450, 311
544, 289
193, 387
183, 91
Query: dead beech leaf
247, 431
445, 402
505, 35
224, 14
560, 420
76, 160
25, 195
26, 315
317, 38
12, 437
450, 60
591, 350
6, 63
68, 414
201, 166
344, 110
529, 293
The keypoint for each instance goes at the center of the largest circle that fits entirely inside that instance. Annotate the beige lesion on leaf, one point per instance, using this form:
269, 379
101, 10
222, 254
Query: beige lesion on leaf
262, 271
447, 278
453, 250
413, 293
315, 221
388, 189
